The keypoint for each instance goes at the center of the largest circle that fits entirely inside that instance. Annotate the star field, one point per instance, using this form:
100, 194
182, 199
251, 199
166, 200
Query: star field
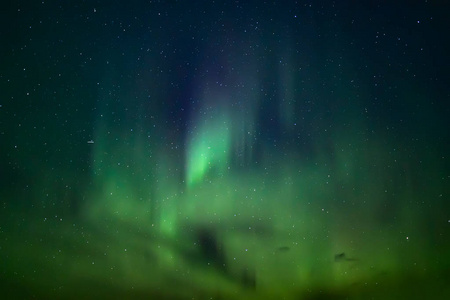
224, 150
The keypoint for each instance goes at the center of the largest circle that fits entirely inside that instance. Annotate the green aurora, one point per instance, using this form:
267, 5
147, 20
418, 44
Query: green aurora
269, 175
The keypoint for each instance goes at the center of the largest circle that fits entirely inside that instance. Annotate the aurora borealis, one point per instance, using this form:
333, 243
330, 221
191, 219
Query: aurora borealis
224, 150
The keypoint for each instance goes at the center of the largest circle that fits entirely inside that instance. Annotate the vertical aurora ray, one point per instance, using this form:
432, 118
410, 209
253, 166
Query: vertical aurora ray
208, 148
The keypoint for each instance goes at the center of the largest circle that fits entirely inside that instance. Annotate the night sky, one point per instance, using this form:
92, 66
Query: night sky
224, 150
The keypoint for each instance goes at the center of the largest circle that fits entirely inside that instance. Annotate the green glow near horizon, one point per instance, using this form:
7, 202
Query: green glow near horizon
147, 240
